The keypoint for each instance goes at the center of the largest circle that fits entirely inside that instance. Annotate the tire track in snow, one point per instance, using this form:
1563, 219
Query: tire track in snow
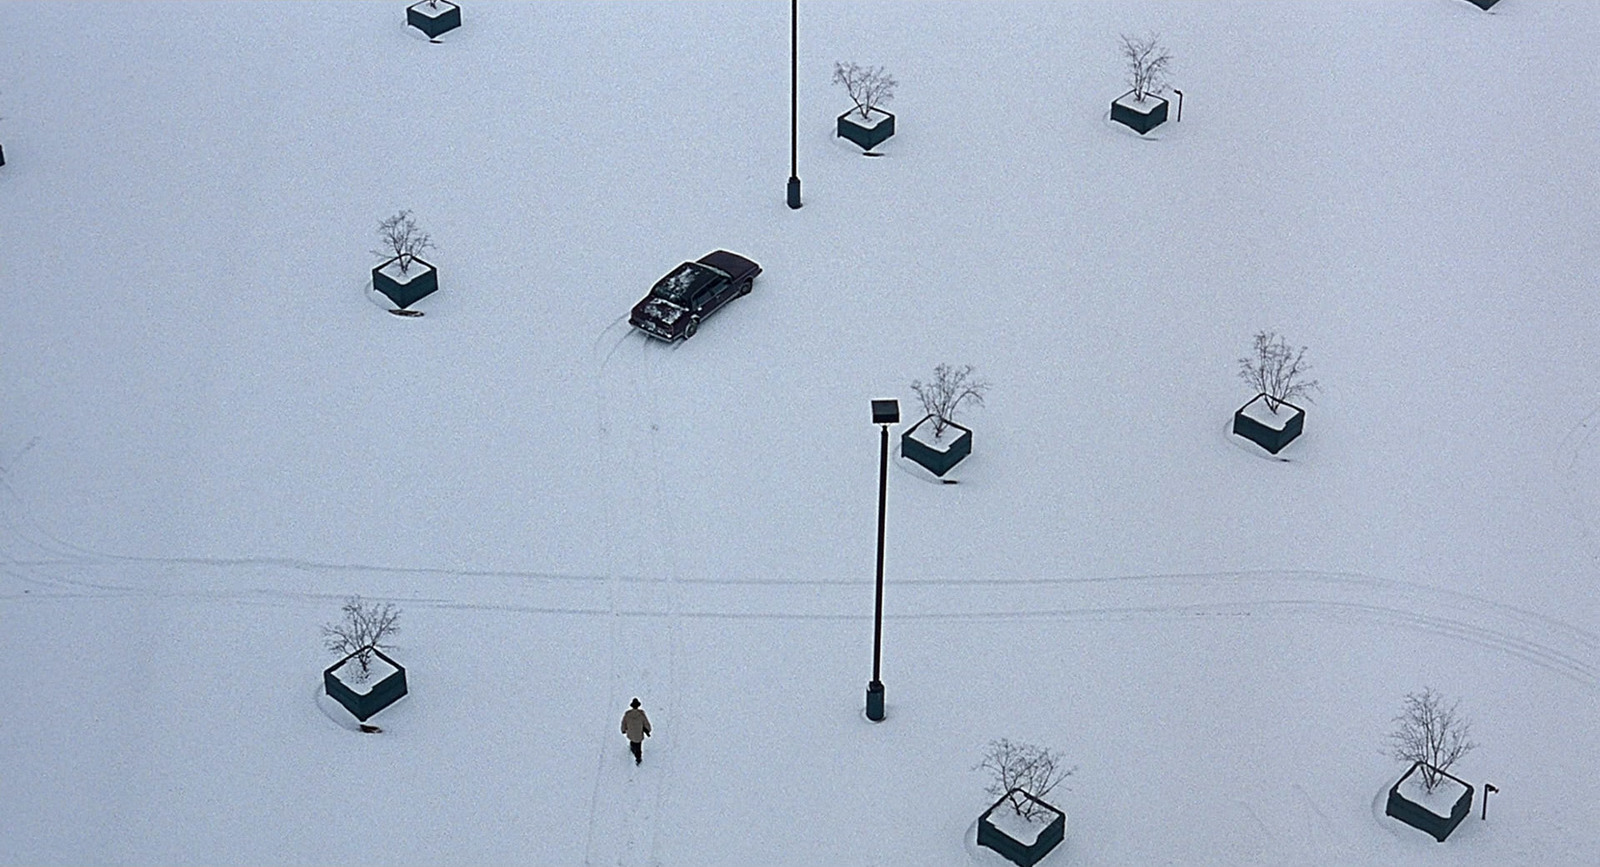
601, 833
1565, 650
60, 569
1575, 445
627, 800
1551, 644
664, 505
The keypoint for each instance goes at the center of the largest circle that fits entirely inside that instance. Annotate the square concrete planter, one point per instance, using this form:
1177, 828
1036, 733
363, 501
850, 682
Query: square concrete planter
1021, 841
384, 685
434, 20
1437, 814
937, 456
866, 133
1140, 116
418, 282
1255, 421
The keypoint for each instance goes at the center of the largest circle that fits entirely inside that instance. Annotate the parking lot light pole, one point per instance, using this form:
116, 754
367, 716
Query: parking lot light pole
884, 413
794, 104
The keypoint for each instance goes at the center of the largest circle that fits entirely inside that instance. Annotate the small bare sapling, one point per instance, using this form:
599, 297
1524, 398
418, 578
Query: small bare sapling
366, 627
869, 87
402, 240
1429, 731
951, 386
1277, 371
1032, 769
1148, 64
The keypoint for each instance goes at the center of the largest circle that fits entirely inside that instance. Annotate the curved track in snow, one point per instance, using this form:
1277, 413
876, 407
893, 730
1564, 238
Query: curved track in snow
36, 566
65, 571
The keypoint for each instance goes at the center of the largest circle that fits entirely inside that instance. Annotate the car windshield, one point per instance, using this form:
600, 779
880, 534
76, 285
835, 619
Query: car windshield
682, 282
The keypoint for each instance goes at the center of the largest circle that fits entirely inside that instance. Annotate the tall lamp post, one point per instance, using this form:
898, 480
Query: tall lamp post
884, 413
794, 104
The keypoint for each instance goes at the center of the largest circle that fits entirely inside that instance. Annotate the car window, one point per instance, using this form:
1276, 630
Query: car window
685, 282
702, 295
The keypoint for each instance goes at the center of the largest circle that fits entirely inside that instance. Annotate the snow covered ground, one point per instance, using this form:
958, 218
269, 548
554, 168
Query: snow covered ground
209, 436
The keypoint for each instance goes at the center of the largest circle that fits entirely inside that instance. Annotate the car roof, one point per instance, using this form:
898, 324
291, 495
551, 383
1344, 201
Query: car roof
728, 263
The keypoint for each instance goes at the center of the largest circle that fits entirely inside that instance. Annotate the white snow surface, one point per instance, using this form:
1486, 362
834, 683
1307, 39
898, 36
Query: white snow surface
1441, 801
414, 269
362, 682
1260, 409
922, 431
1143, 106
208, 438
434, 10
1024, 831
868, 121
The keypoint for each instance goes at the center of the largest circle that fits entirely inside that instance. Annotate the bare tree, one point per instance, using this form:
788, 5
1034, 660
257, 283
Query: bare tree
949, 388
1013, 766
1430, 732
1148, 64
1277, 371
402, 240
365, 627
869, 87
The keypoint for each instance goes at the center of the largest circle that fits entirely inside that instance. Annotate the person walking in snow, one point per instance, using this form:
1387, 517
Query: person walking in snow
637, 727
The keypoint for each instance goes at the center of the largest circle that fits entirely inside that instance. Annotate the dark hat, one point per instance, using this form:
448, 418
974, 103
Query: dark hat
635, 702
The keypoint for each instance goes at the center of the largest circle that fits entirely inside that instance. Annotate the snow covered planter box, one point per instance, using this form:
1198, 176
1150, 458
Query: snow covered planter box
1483, 4
1021, 841
383, 685
939, 454
1142, 116
866, 133
434, 18
1255, 421
1437, 814
405, 289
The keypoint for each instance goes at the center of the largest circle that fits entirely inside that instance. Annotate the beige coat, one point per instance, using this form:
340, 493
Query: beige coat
635, 725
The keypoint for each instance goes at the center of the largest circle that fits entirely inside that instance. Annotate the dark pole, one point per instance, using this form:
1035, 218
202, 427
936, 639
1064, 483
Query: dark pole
1487, 788
883, 503
1180, 103
875, 688
794, 103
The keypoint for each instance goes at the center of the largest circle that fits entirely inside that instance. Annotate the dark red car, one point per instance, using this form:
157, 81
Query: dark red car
694, 290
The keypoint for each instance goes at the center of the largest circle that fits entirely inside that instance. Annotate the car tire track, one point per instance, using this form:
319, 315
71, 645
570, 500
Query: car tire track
640, 600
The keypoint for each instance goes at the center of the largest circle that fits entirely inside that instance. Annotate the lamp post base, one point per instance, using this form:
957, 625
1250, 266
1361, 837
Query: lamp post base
875, 701
794, 192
